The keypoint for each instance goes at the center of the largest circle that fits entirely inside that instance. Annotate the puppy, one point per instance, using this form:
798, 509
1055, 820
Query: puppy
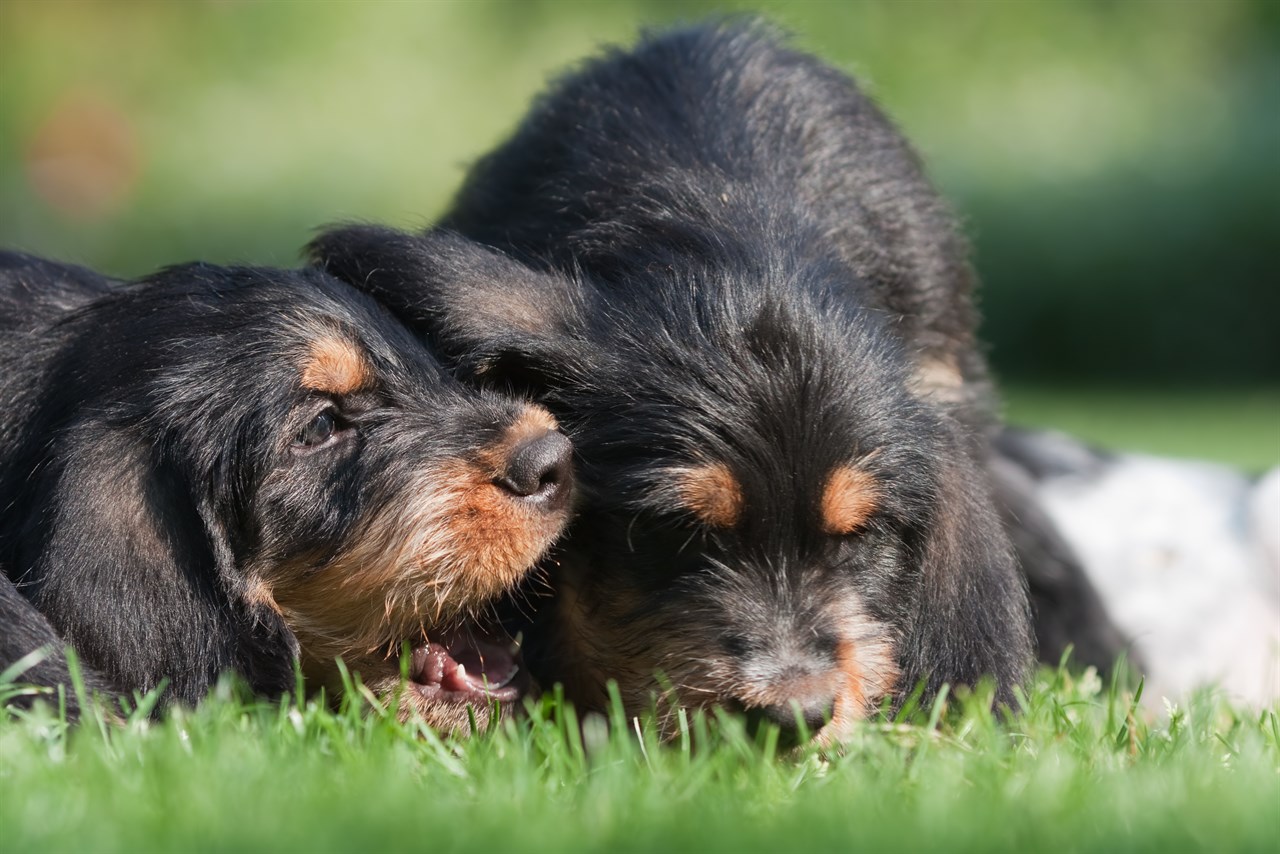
233, 469
722, 268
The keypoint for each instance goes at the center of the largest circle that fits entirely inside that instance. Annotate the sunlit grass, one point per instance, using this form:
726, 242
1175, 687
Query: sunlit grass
1081, 766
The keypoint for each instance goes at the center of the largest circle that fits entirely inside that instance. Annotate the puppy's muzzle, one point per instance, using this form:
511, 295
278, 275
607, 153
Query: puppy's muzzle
796, 719
539, 471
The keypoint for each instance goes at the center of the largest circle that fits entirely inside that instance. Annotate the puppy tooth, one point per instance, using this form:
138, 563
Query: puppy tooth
517, 642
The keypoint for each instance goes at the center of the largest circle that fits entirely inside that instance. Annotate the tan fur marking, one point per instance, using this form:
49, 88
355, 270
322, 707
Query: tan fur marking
258, 593
335, 365
532, 423
535, 417
848, 501
870, 674
711, 493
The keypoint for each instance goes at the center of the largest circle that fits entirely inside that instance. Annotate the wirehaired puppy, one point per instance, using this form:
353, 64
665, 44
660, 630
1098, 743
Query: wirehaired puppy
233, 469
720, 265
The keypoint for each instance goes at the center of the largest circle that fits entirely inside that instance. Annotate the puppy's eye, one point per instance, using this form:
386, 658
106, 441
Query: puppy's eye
320, 432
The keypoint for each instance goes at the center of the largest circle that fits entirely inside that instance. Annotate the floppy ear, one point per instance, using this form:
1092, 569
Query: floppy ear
971, 618
492, 317
137, 577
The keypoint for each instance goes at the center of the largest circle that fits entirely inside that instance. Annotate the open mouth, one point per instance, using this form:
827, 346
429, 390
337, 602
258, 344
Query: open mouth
469, 665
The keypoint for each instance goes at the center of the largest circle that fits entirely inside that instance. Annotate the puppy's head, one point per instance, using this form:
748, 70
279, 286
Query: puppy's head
279, 440
771, 519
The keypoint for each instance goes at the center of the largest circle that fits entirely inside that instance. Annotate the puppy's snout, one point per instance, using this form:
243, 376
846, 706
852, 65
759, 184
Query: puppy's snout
795, 720
540, 469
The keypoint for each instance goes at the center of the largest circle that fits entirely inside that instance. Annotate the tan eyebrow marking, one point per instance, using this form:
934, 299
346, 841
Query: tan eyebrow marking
336, 366
711, 493
850, 498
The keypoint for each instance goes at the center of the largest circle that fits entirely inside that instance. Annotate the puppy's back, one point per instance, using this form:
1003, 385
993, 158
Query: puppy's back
715, 132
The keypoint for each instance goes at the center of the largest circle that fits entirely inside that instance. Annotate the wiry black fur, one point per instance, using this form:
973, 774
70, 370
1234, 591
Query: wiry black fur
148, 465
36, 290
26, 631
720, 250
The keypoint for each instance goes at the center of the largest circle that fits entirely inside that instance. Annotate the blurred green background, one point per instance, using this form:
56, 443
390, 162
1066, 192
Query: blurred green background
1114, 162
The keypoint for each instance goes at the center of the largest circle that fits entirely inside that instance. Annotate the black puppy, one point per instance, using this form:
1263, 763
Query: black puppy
231, 469
753, 315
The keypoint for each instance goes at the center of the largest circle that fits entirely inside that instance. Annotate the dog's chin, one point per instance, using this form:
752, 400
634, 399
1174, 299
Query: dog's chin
456, 678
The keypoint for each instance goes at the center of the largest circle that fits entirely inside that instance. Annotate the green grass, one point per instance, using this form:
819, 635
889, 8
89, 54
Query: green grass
1234, 426
1081, 767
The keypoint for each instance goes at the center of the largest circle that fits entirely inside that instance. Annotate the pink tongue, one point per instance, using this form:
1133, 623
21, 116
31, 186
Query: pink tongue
486, 664
465, 664
435, 664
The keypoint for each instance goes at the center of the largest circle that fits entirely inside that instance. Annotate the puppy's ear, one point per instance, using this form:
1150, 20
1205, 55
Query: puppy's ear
971, 619
130, 565
489, 315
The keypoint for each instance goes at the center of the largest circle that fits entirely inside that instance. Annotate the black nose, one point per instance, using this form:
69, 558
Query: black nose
795, 721
540, 469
